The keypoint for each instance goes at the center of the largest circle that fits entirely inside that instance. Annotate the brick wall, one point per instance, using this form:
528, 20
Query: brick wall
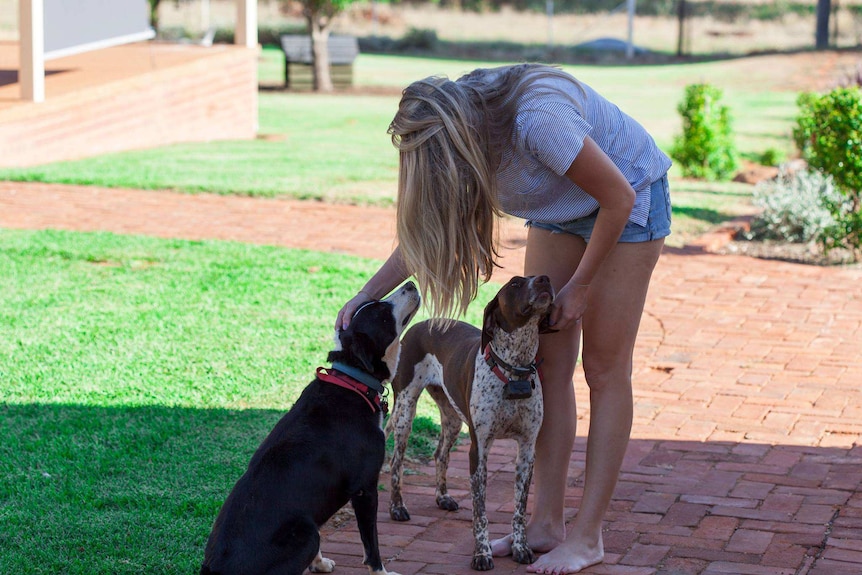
211, 97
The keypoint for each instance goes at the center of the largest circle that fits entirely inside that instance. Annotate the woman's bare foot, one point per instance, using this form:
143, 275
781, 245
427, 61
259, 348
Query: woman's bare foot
571, 556
540, 540
501, 547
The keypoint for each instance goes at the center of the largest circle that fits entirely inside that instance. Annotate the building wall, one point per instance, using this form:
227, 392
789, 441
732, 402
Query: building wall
213, 97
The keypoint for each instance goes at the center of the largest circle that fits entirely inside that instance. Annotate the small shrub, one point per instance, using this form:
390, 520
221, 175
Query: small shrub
705, 149
376, 44
829, 135
794, 207
772, 157
422, 39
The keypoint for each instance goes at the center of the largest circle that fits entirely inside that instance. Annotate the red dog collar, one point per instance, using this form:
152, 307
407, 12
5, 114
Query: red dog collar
371, 397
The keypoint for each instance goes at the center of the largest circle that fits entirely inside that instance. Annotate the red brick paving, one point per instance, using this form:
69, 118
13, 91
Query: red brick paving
745, 456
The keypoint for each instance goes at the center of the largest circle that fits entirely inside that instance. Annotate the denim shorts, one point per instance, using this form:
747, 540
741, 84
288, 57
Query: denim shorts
657, 224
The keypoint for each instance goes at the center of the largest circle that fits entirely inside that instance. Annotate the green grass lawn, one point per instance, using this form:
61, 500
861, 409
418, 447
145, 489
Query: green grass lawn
137, 377
343, 154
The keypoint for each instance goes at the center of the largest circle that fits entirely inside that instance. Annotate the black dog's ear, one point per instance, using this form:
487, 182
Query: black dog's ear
489, 321
357, 350
545, 322
363, 352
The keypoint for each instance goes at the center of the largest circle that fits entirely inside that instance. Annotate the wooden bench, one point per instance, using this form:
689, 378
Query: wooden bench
298, 73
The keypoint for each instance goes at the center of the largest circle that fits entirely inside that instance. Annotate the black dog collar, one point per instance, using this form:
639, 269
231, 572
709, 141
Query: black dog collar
337, 376
359, 376
519, 385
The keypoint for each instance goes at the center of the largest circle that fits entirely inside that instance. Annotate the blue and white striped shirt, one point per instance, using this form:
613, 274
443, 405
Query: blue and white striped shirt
550, 129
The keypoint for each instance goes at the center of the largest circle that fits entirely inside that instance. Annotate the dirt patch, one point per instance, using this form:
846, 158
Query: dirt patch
753, 173
810, 254
730, 238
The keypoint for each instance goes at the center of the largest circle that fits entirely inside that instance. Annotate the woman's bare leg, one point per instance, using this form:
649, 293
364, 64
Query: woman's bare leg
610, 325
557, 256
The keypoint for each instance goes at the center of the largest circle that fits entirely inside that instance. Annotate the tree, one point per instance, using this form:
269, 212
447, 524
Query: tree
320, 15
154, 14
824, 7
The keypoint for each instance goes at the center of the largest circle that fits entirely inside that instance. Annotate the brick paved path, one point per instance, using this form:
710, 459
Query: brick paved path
745, 456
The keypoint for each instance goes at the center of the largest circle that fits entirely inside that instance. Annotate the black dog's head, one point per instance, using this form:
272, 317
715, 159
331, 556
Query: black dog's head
521, 302
371, 342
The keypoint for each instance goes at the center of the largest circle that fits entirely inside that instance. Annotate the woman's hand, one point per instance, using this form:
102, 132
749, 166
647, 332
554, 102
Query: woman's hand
346, 313
390, 275
569, 306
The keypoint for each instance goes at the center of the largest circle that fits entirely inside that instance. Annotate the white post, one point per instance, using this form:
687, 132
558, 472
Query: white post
630, 47
205, 15
31, 27
246, 23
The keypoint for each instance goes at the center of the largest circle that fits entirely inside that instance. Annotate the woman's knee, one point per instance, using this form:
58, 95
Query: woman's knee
602, 373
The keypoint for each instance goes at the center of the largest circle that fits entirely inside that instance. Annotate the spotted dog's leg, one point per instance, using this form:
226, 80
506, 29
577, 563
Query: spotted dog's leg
400, 423
321, 564
521, 552
450, 426
482, 560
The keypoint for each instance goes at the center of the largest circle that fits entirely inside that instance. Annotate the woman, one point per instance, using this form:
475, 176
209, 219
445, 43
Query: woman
531, 141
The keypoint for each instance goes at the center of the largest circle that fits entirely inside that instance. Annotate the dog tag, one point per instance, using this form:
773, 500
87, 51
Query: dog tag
518, 389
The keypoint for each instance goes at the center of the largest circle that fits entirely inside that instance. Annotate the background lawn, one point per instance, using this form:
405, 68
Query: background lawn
336, 147
136, 382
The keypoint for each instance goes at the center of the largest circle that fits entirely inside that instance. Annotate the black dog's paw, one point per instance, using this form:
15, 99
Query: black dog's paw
446, 503
399, 513
482, 562
321, 565
523, 554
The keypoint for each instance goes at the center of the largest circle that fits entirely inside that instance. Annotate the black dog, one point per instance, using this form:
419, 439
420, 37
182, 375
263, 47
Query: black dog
327, 450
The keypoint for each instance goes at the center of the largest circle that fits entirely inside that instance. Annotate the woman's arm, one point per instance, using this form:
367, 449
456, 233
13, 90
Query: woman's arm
390, 275
595, 173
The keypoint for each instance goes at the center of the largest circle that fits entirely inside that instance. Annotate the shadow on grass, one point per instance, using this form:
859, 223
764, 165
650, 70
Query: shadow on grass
120, 489
707, 215
88, 490
130, 489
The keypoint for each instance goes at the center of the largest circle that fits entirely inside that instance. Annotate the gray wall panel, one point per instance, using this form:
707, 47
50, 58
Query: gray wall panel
76, 25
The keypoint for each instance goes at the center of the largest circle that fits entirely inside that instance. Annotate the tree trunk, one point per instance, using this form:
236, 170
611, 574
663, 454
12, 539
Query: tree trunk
822, 34
680, 35
320, 56
154, 14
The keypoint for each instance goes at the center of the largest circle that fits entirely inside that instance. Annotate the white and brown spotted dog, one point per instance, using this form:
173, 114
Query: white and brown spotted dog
488, 379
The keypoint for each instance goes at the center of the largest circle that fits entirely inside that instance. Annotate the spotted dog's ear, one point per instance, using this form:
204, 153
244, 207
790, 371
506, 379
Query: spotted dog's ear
489, 321
545, 322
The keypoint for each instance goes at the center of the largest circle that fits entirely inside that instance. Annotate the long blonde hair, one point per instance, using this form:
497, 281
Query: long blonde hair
451, 137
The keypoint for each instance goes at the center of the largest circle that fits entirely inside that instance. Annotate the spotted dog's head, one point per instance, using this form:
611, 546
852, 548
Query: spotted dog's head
522, 301
371, 342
